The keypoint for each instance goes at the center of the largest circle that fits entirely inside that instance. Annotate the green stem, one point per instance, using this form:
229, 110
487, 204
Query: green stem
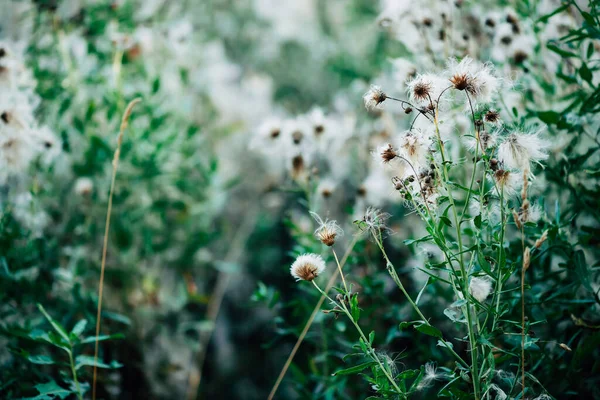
462, 215
500, 258
79, 395
474, 371
341, 273
372, 353
392, 271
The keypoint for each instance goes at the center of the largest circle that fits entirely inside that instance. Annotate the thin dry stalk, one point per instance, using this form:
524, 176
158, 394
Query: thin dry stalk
308, 324
522, 218
115, 164
214, 305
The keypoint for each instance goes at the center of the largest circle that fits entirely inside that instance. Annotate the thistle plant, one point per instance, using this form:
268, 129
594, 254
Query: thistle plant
472, 193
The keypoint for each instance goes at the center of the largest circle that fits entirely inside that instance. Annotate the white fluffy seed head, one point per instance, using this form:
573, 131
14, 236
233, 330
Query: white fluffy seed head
518, 150
414, 147
327, 231
474, 77
509, 182
307, 267
374, 97
423, 89
480, 288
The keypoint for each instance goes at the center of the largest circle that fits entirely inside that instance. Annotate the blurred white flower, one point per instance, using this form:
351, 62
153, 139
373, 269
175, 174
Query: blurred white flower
84, 186
480, 288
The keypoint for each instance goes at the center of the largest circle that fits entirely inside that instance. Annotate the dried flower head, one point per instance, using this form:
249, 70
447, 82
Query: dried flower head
386, 153
420, 88
526, 258
374, 97
487, 140
374, 221
492, 116
307, 267
508, 182
462, 74
413, 146
327, 231
565, 347
480, 288
541, 240
474, 77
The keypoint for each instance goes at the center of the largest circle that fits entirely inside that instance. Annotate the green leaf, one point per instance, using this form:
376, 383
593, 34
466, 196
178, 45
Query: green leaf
116, 317
371, 337
446, 220
585, 73
57, 327
41, 359
404, 325
92, 339
354, 308
549, 117
356, 369
427, 238
49, 391
408, 374
79, 328
445, 344
49, 337
581, 270
82, 361
545, 18
561, 52
429, 330
588, 18
477, 221
422, 290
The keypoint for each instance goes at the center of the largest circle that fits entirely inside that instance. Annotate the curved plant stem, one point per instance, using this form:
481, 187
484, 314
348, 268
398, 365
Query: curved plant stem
337, 262
74, 372
523, 269
500, 258
311, 319
474, 367
391, 270
366, 341
236, 248
115, 164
